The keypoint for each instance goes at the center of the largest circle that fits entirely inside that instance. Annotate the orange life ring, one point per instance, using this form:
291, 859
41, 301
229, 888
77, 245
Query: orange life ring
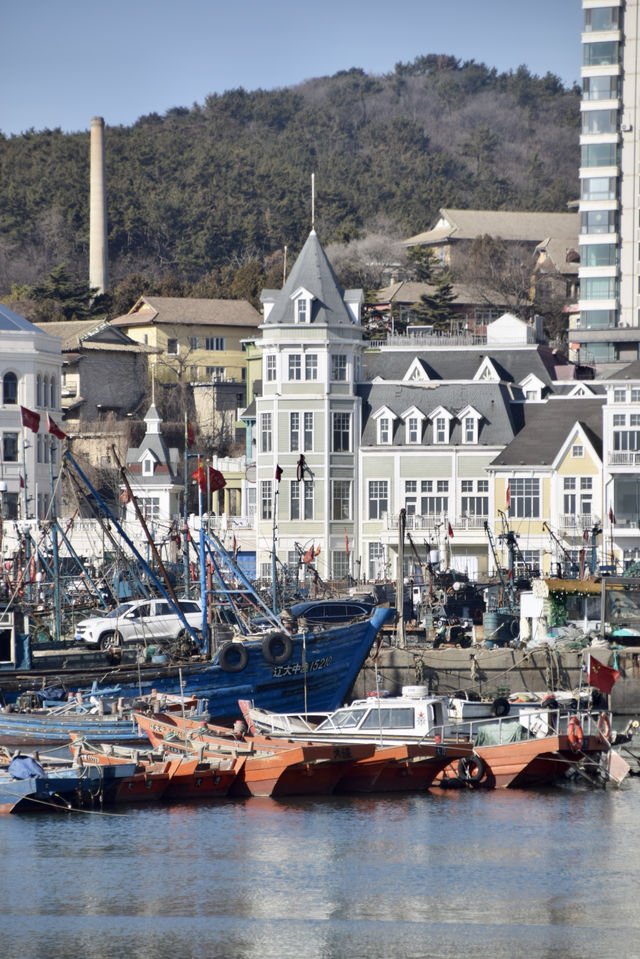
604, 726
575, 734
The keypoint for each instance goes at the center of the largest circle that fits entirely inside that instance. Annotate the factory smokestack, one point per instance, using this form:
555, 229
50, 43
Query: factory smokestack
98, 253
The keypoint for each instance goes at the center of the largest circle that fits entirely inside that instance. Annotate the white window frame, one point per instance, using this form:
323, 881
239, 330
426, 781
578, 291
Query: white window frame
266, 432
339, 367
270, 372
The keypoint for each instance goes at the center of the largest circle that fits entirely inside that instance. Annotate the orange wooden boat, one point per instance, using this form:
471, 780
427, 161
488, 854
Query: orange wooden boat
559, 745
271, 767
190, 776
401, 767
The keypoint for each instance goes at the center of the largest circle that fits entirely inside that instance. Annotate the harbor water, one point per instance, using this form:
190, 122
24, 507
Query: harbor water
548, 873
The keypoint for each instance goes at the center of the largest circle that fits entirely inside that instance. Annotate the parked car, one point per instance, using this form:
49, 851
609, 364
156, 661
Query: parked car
143, 620
330, 611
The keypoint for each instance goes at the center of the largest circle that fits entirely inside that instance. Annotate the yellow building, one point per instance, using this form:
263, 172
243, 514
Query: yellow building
198, 339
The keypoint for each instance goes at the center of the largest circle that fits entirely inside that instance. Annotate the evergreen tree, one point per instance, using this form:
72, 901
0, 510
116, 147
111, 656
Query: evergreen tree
437, 309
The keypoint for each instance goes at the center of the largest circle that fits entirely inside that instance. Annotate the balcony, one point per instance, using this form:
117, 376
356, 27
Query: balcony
578, 521
429, 522
624, 458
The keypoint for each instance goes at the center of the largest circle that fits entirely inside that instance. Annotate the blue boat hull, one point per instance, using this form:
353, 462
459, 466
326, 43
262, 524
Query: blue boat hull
317, 677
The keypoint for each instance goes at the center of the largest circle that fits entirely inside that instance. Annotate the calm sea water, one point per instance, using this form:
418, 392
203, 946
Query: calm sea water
551, 874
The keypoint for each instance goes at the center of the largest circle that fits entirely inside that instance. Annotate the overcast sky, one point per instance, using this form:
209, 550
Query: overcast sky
64, 62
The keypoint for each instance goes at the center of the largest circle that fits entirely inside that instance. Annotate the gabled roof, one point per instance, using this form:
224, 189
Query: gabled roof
629, 372
189, 311
313, 272
546, 428
516, 226
78, 335
153, 442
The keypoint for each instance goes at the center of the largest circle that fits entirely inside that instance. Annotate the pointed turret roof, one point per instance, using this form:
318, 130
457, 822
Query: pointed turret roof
312, 273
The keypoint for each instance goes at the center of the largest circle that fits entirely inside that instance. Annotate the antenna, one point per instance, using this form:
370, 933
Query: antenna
284, 266
153, 384
313, 201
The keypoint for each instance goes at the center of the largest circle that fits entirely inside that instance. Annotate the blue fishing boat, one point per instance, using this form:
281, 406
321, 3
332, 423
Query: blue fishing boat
303, 671
25, 784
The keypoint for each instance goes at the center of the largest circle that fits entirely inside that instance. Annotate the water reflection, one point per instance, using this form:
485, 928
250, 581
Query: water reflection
441, 874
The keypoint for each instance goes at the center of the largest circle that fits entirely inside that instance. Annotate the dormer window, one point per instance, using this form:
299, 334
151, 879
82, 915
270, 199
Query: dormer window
413, 430
302, 311
441, 430
469, 419
147, 466
469, 429
384, 430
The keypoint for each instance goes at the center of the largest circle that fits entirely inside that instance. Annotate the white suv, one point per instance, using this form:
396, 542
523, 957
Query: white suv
143, 620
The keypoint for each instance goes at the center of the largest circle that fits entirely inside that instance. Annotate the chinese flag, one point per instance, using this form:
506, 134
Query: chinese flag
216, 480
308, 556
200, 475
450, 531
53, 427
30, 419
316, 551
508, 496
190, 434
601, 676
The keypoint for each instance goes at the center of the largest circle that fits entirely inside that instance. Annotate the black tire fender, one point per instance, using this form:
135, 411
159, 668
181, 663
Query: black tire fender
471, 768
233, 657
500, 707
277, 648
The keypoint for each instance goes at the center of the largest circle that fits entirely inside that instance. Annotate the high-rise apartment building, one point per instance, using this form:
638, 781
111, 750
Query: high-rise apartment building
608, 328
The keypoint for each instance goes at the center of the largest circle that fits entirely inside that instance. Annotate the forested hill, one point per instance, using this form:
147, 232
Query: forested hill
200, 188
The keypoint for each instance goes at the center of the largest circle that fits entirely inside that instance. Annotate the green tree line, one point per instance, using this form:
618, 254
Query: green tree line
203, 200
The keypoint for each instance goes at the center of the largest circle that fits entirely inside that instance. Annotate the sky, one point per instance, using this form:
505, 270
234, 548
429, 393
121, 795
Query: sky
67, 61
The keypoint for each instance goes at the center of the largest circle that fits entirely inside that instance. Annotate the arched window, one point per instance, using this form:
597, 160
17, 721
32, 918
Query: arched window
10, 389
38, 390
52, 393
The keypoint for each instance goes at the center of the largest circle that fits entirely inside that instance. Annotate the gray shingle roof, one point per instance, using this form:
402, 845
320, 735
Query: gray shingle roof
547, 426
314, 273
512, 364
501, 418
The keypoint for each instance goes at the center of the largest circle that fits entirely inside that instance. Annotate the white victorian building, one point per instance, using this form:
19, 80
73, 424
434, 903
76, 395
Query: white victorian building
30, 371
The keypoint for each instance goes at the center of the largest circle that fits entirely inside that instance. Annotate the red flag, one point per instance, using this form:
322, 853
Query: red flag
308, 556
30, 419
190, 434
612, 516
601, 676
200, 475
216, 480
508, 496
450, 531
278, 473
316, 551
346, 543
585, 536
22, 482
53, 427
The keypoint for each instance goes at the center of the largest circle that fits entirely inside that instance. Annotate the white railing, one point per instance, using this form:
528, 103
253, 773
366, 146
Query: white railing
624, 458
429, 521
581, 521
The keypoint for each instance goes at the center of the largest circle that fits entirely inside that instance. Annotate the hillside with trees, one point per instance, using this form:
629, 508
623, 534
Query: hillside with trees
203, 200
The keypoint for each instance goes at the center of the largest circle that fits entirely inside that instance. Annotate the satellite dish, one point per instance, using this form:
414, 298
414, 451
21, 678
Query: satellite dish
250, 474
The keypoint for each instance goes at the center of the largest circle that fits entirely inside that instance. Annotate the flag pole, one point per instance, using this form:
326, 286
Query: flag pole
185, 524
274, 536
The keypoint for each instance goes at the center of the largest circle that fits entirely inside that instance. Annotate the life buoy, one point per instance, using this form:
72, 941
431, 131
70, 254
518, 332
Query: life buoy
233, 657
277, 648
471, 769
604, 726
575, 734
500, 707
